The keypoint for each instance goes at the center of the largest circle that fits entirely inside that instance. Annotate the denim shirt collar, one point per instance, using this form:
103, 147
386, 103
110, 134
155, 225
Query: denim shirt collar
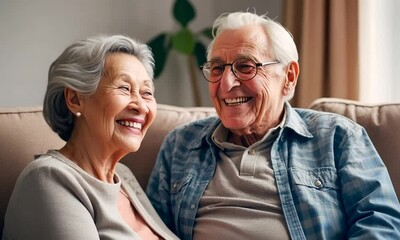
293, 121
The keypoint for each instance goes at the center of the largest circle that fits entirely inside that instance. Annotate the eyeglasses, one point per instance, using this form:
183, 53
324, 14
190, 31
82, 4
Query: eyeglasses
243, 68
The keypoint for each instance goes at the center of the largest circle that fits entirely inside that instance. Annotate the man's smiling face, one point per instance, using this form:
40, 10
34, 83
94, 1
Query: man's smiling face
252, 106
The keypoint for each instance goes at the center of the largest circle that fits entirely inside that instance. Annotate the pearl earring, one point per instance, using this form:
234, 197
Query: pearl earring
78, 114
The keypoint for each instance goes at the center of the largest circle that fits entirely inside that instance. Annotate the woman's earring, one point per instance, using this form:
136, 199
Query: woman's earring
78, 114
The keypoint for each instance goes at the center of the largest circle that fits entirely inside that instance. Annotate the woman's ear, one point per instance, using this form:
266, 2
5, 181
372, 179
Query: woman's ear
73, 101
291, 78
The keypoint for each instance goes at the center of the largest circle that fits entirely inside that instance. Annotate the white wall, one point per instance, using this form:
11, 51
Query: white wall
379, 51
34, 33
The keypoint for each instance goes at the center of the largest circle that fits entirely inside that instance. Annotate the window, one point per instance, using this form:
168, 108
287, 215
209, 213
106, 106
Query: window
379, 51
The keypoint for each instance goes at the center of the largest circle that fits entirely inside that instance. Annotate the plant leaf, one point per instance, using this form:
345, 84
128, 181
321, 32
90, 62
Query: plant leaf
184, 12
183, 41
200, 52
207, 32
160, 47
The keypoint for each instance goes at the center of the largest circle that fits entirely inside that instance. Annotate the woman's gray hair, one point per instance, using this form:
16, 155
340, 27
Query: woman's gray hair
80, 67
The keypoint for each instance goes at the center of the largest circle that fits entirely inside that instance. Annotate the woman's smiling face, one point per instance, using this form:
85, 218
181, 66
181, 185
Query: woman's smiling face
123, 107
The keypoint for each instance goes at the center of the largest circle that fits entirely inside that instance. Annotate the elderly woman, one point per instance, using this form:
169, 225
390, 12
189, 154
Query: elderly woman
100, 100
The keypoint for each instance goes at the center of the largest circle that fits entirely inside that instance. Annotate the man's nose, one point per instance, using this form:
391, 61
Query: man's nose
229, 79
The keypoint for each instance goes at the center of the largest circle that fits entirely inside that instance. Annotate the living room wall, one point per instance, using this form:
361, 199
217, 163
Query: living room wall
34, 33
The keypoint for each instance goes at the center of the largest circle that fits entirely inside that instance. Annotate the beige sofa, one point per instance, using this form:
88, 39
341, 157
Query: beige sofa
24, 133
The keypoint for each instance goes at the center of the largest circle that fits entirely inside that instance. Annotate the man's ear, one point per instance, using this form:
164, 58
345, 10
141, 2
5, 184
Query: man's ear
291, 77
72, 100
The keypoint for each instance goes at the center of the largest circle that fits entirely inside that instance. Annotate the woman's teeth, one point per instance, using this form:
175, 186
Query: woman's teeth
131, 124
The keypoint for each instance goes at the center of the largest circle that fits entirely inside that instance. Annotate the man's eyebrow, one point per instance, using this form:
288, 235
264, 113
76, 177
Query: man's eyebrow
239, 56
244, 56
216, 59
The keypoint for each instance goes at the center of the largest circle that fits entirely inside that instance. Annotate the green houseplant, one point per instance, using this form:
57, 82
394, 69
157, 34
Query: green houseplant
185, 41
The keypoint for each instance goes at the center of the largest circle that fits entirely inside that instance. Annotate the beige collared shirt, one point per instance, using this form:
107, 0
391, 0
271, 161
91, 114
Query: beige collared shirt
241, 201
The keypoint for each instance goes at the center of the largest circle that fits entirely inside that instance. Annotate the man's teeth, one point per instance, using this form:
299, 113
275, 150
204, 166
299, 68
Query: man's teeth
131, 124
235, 101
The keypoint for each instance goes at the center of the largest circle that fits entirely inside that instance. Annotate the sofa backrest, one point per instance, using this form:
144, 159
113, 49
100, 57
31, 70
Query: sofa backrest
24, 133
382, 123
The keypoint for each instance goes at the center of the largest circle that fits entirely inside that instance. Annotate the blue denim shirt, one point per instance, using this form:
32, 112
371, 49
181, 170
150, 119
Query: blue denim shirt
331, 181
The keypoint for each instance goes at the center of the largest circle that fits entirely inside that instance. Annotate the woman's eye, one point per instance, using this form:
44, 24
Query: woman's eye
148, 93
125, 88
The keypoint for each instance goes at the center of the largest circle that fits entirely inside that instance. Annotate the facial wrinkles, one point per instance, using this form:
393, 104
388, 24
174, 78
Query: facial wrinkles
234, 44
244, 41
263, 111
265, 104
271, 111
99, 104
137, 88
108, 88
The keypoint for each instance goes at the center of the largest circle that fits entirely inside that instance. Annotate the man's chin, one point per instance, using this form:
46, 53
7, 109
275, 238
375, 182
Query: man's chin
235, 124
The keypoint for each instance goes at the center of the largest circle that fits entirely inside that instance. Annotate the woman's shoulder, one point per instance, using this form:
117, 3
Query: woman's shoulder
43, 162
52, 170
48, 162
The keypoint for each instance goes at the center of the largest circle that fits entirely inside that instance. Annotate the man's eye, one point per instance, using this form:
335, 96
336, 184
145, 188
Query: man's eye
217, 70
245, 68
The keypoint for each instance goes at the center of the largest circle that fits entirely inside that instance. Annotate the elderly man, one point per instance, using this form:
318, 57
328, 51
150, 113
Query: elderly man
262, 169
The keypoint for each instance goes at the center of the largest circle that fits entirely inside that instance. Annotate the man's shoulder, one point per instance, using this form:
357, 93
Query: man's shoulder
192, 134
316, 120
320, 117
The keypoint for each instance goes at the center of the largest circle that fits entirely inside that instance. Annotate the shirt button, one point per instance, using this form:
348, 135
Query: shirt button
318, 183
174, 187
252, 152
192, 206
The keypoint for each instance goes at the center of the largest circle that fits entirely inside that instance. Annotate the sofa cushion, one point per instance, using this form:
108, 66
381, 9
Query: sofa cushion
382, 123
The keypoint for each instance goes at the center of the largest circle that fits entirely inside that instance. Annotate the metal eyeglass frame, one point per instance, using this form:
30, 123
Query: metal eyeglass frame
256, 64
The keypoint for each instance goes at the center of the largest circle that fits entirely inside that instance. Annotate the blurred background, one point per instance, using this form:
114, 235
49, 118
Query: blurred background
347, 47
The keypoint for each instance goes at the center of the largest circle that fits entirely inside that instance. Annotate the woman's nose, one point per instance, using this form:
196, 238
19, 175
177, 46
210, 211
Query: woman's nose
139, 104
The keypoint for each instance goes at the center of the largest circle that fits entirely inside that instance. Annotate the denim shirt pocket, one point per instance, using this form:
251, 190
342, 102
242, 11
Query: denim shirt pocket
180, 185
179, 195
320, 185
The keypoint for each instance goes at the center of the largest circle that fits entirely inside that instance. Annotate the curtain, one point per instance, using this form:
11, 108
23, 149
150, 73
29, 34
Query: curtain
326, 35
